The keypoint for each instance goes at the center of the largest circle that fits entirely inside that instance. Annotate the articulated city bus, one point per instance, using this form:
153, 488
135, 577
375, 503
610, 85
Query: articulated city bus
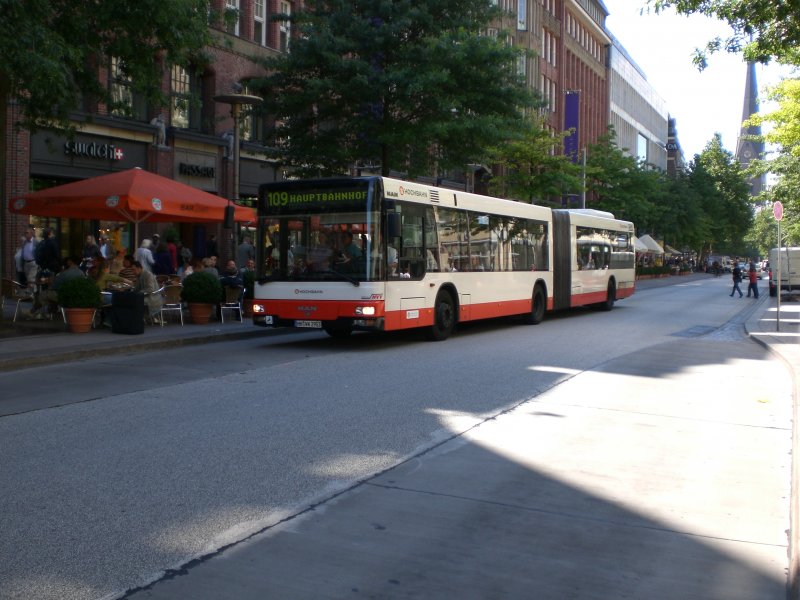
374, 253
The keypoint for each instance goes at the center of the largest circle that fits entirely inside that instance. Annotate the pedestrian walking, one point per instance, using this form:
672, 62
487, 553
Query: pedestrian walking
753, 279
737, 279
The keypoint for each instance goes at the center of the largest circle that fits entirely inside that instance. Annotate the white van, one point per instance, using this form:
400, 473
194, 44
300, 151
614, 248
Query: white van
790, 269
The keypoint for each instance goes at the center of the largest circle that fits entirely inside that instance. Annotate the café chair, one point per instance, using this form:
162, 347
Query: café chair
232, 301
172, 302
15, 291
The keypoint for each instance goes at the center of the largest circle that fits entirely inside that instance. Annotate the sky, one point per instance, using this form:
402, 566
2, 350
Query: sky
704, 103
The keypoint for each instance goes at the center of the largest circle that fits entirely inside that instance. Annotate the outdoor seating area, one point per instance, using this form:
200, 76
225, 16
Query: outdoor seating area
19, 301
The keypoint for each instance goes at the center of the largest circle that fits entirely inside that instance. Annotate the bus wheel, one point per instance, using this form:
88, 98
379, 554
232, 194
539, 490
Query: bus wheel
610, 297
538, 305
337, 330
444, 318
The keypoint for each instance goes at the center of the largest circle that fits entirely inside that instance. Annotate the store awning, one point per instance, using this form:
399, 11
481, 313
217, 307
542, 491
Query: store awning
652, 245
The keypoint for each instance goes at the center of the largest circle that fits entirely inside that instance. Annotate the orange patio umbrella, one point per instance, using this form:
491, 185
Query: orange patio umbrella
133, 195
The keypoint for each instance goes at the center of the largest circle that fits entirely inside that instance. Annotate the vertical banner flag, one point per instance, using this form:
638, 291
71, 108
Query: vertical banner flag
572, 121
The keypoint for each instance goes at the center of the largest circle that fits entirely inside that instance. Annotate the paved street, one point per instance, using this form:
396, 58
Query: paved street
642, 453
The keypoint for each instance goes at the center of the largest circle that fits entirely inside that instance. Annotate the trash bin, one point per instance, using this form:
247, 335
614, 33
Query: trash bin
127, 312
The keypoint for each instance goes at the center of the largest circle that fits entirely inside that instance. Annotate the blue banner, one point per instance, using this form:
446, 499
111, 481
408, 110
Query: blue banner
572, 122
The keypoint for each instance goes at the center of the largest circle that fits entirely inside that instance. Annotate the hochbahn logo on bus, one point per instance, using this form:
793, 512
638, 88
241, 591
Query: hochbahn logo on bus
404, 191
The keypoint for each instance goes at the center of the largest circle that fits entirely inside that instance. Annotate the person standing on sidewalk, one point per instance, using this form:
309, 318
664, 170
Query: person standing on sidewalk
737, 279
752, 277
29, 257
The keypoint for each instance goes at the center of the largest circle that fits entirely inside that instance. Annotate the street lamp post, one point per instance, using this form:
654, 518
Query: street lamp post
237, 102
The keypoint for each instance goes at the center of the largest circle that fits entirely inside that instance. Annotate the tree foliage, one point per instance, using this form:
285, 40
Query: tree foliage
52, 50
723, 192
619, 183
532, 170
762, 30
412, 86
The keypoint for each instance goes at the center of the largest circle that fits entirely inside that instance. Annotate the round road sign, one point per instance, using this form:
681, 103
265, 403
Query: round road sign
777, 210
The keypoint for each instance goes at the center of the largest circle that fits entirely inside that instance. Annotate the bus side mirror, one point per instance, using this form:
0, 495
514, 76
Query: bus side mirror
393, 225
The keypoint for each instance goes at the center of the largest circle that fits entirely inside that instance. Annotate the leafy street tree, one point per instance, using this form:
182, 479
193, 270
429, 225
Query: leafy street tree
52, 52
531, 170
411, 86
728, 207
618, 183
762, 30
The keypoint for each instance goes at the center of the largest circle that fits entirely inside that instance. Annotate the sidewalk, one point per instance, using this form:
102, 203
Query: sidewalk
29, 343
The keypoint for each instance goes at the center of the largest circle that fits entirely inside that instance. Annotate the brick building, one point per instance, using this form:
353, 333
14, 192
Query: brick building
192, 146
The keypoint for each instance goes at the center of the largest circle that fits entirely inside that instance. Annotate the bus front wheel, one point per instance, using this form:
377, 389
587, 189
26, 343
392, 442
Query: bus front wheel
444, 318
538, 305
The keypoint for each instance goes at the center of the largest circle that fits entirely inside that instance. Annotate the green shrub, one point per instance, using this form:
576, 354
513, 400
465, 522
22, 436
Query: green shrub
79, 292
202, 288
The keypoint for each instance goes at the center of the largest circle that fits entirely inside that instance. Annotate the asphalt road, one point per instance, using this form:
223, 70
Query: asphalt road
143, 463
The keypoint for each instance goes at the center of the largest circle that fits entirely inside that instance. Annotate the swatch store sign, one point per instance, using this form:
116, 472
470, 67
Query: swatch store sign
83, 156
94, 150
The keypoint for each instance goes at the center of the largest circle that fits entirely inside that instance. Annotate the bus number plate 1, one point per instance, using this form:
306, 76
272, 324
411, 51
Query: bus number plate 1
313, 324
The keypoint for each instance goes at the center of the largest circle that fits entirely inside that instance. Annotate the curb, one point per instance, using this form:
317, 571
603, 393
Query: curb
37, 360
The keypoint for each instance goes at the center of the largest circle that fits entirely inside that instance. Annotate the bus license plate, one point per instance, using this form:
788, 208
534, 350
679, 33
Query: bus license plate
314, 324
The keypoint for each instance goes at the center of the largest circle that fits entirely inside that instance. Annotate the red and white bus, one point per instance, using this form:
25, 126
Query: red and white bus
374, 253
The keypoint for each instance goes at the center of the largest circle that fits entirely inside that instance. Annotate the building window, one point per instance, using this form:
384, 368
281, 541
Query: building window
124, 101
641, 147
232, 16
259, 22
285, 26
186, 104
522, 15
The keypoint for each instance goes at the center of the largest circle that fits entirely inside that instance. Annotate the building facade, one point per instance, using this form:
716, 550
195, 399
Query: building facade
190, 140
638, 114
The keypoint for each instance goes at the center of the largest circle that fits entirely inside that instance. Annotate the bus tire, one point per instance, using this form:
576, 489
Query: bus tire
444, 318
337, 330
611, 296
538, 306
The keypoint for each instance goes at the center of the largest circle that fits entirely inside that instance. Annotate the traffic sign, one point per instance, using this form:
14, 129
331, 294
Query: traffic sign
777, 210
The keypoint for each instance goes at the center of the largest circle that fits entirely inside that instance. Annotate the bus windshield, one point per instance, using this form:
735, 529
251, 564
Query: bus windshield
327, 233
317, 247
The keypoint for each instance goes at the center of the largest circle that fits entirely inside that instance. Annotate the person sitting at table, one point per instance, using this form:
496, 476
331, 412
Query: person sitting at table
146, 284
127, 272
210, 266
104, 279
231, 277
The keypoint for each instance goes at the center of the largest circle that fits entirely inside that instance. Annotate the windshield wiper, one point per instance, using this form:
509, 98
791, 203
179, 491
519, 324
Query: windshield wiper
343, 276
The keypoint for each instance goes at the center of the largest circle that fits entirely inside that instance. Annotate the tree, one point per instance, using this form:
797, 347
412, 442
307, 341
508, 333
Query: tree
412, 86
723, 190
618, 183
52, 51
532, 171
762, 30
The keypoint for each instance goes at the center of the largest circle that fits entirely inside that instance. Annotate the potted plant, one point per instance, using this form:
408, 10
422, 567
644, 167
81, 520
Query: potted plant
201, 291
249, 282
79, 297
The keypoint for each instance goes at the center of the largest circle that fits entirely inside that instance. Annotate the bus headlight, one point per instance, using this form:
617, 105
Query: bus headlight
259, 308
366, 311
